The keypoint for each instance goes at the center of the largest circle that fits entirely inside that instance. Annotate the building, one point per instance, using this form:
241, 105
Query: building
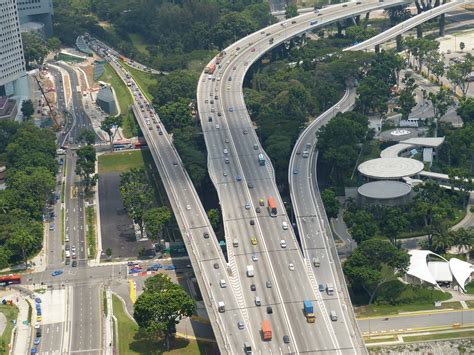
12, 61
8, 108
36, 11
430, 268
385, 193
106, 101
390, 168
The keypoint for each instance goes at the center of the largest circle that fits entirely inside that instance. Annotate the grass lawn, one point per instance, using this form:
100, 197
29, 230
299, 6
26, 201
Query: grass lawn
439, 336
11, 313
470, 288
121, 161
470, 304
143, 79
121, 90
91, 235
386, 310
138, 43
131, 341
383, 339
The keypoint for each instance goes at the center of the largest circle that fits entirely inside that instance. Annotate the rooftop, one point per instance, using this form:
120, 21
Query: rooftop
384, 189
390, 168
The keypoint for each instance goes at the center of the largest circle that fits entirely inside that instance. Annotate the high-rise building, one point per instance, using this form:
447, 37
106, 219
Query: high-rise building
12, 62
35, 16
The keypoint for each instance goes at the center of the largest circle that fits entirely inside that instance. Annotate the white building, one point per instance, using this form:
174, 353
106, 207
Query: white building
12, 62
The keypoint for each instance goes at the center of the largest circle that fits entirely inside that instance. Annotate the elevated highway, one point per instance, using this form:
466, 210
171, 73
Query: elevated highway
241, 182
404, 26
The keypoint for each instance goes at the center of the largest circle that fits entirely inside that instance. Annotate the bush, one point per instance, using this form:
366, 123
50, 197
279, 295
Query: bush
395, 293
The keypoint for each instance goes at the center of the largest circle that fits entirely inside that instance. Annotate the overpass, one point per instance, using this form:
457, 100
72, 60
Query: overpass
241, 182
404, 26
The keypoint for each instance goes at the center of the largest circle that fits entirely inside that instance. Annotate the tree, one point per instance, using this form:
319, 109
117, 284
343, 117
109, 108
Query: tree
458, 73
34, 49
407, 96
463, 239
437, 68
136, 195
440, 102
5, 255
27, 109
176, 114
85, 166
291, 11
466, 110
110, 126
231, 27
394, 224
331, 203
22, 242
159, 283
155, 220
362, 225
398, 14
214, 217
359, 33
54, 44
373, 263
159, 310
462, 46
87, 136
419, 48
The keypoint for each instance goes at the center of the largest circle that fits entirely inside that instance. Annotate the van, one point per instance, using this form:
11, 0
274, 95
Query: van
284, 225
330, 289
221, 307
305, 153
68, 254
235, 243
226, 151
316, 262
333, 316
247, 348
255, 146
258, 301
222, 283
226, 160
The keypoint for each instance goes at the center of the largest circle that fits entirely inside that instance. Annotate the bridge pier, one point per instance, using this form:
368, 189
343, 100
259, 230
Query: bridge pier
399, 43
441, 25
377, 48
419, 32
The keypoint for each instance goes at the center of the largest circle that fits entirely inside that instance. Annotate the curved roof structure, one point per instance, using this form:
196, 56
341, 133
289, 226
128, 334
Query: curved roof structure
390, 168
384, 189
461, 271
419, 266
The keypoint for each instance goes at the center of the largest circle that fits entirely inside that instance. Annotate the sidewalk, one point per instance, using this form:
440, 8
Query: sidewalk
21, 339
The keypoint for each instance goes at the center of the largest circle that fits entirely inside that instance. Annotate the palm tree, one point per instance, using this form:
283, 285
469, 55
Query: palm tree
463, 239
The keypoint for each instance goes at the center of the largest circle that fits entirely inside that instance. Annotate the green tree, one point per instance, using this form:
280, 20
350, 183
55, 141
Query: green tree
158, 311
85, 166
23, 243
440, 101
462, 46
171, 88
155, 220
159, 283
420, 48
373, 263
27, 109
458, 73
466, 110
331, 203
54, 44
231, 27
87, 136
136, 194
291, 11
5, 255
34, 49
176, 114
362, 225
463, 239
359, 33
214, 217
407, 96
110, 126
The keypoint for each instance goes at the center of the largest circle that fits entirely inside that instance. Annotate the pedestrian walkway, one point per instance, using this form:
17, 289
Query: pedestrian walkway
22, 330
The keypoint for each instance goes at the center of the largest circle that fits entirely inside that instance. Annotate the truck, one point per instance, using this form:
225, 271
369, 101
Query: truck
312, 23
330, 289
250, 271
272, 207
210, 69
309, 311
266, 330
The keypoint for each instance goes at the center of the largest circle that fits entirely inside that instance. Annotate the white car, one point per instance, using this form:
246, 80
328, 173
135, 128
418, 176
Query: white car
291, 266
254, 257
188, 207
284, 225
283, 243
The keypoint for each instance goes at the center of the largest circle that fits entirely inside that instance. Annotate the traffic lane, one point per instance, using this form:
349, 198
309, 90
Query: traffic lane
395, 323
232, 191
51, 336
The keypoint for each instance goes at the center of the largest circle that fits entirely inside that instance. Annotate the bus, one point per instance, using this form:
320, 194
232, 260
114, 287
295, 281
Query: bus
261, 159
6, 280
210, 69
272, 207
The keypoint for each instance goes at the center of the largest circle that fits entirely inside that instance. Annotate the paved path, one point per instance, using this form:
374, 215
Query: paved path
23, 328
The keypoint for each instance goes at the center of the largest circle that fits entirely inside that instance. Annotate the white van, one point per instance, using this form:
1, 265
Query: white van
222, 283
226, 151
284, 225
235, 243
221, 307
333, 316
316, 262
68, 254
258, 301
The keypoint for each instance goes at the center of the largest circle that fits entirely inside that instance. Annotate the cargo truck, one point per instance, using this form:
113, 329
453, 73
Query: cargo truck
266, 330
330, 289
250, 271
210, 69
309, 311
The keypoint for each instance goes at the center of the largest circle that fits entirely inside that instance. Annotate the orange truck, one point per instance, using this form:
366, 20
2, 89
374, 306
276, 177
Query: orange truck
266, 330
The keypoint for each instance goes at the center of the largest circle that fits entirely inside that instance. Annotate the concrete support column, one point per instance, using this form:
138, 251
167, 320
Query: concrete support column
419, 31
399, 43
377, 48
441, 25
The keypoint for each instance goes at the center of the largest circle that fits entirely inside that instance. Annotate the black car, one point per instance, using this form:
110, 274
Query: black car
253, 287
269, 310
68, 261
216, 266
252, 222
206, 235
74, 263
286, 339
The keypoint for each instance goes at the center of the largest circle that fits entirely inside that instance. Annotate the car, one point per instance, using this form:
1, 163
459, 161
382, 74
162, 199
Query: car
206, 235
216, 97
240, 325
250, 185
219, 114
160, 132
51, 227
74, 263
238, 178
152, 268
261, 202
37, 325
253, 240
224, 173
254, 257
228, 87
247, 206
67, 247
134, 271
67, 261
258, 209
253, 287
234, 68
245, 132
283, 243
73, 248
216, 265
268, 284
188, 207
230, 78
295, 171
252, 50
175, 163
252, 222
169, 267
217, 126
284, 225
132, 263
231, 109
56, 273
291, 266
74, 255
269, 310
39, 318
226, 140
38, 300
34, 350
209, 119
298, 152
37, 341
286, 339
293, 22
206, 101
345, 5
